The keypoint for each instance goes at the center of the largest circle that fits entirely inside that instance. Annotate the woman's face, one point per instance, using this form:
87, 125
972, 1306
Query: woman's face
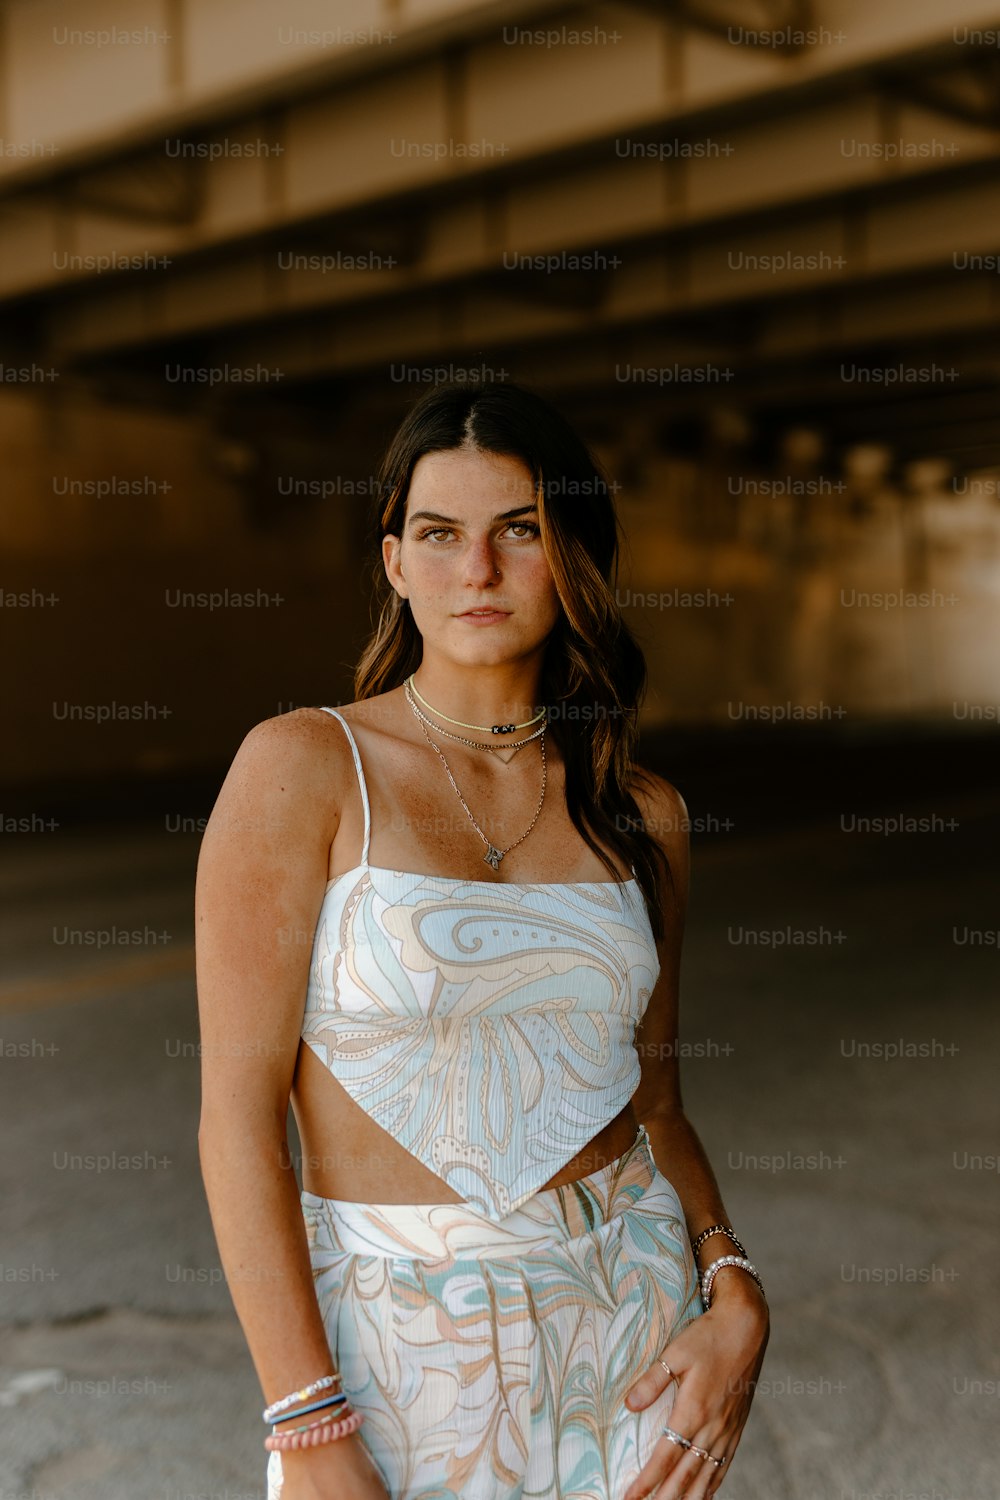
471, 543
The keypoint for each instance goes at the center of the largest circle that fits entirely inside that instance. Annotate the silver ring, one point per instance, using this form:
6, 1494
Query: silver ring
667, 1368
675, 1437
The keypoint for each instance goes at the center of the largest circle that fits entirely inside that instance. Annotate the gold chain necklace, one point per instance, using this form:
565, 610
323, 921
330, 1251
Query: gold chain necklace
494, 750
493, 855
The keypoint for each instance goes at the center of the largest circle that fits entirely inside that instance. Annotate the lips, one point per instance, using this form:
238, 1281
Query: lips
487, 611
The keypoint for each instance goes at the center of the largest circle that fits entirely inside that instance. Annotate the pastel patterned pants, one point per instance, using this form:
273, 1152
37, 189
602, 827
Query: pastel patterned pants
491, 1360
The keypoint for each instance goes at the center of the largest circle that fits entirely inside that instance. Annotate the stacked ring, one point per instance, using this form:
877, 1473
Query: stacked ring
686, 1443
704, 1453
675, 1437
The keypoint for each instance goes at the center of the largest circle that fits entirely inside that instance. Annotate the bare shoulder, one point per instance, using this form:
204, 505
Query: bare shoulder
310, 747
304, 744
296, 764
665, 815
663, 808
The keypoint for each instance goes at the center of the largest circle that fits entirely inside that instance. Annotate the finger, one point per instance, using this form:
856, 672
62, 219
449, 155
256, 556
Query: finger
690, 1479
705, 1480
651, 1384
674, 1471
722, 1445
663, 1461
665, 1475
717, 1472
658, 1390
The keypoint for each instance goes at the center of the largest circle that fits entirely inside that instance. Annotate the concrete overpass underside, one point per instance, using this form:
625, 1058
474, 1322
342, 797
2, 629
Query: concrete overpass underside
786, 210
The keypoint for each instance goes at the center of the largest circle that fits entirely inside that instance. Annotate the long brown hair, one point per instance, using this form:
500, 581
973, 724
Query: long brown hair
593, 671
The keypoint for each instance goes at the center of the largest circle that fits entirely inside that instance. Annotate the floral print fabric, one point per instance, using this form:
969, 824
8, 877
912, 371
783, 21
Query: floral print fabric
491, 1359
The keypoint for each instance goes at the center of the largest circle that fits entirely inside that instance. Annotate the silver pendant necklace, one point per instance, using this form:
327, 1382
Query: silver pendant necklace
493, 855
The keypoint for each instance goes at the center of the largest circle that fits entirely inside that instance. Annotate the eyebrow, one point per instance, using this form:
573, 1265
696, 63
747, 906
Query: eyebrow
505, 515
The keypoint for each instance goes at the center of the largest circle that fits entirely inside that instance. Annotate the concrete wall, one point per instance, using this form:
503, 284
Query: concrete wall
750, 599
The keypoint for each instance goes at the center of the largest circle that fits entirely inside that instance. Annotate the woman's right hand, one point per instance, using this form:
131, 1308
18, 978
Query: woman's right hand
341, 1470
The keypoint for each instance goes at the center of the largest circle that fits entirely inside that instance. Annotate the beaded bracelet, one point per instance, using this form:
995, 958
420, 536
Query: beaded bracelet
696, 1244
270, 1412
327, 1432
709, 1275
307, 1426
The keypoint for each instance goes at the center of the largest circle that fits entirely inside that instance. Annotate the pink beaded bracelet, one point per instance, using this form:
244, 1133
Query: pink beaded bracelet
323, 1432
316, 1422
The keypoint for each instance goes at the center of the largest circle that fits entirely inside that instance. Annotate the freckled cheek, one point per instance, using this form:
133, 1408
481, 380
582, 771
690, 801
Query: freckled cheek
539, 585
430, 576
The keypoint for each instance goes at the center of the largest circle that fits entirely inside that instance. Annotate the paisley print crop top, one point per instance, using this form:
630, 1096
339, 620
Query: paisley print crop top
489, 1027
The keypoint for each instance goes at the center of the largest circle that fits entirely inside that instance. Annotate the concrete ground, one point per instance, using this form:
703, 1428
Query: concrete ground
844, 1084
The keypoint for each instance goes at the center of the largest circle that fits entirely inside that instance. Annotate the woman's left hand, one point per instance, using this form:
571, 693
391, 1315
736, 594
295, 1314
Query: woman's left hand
716, 1358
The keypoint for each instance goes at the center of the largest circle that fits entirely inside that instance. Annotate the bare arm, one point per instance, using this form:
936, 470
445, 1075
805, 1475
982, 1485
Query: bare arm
675, 1142
716, 1357
262, 871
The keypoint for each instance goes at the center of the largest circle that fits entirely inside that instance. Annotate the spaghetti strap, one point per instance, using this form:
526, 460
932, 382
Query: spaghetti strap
361, 778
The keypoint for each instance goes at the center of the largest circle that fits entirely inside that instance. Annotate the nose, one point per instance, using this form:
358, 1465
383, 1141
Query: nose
481, 562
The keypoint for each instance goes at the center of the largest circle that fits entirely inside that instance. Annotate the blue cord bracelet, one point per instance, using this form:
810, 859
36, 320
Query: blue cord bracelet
304, 1410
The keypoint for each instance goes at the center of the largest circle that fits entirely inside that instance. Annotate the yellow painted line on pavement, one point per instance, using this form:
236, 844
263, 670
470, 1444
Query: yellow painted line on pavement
22, 994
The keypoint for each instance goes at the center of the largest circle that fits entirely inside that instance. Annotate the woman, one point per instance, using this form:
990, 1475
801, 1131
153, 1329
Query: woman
493, 1264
